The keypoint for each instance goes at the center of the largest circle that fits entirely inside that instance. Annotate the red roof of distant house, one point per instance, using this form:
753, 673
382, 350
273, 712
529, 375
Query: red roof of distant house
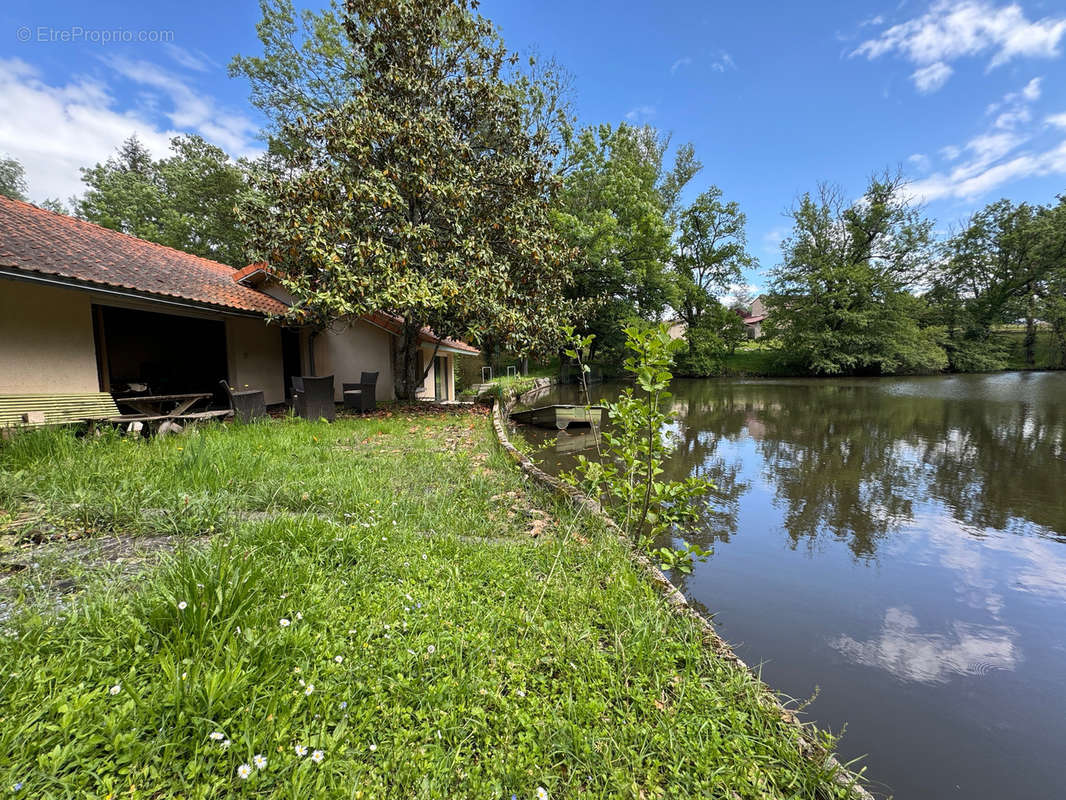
38, 241
395, 325
757, 318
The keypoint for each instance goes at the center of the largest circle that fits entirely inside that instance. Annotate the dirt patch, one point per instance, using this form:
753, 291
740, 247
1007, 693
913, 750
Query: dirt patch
36, 575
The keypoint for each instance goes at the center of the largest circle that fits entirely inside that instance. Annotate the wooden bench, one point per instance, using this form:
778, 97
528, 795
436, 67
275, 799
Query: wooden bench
29, 410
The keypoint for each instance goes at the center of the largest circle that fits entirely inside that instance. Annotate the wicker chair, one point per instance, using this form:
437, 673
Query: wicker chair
246, 405
312, 397
361, 396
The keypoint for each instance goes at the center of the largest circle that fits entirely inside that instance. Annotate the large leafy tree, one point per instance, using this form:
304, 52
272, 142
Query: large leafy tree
13, 179
425, 195
997, 269
711, 254
186, 200
841, 299
306, 67
618, 210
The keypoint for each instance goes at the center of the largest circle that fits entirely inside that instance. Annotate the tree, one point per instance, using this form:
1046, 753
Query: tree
425, 195
995, 271
186, 201
716, 334
306, 67
617, 208
840, 301
13, 179
711, 253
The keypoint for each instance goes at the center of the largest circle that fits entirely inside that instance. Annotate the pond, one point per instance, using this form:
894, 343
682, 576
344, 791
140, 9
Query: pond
896, 547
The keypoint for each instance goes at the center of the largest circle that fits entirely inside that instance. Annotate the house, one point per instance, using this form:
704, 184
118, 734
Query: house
753, 321
87, 309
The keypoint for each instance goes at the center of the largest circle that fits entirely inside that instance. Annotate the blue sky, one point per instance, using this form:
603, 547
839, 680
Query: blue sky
967, 97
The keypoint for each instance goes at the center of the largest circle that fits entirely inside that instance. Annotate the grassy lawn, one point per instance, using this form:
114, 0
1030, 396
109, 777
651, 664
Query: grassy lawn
752, 360
387, 593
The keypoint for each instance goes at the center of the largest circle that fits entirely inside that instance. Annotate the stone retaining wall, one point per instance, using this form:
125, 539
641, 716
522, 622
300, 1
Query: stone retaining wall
671, 594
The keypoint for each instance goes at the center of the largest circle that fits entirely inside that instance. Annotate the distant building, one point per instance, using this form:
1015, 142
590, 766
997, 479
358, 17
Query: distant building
676, 328
754, 320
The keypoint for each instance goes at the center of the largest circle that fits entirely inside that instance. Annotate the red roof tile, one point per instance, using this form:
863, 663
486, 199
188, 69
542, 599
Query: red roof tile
394, 325
35, 240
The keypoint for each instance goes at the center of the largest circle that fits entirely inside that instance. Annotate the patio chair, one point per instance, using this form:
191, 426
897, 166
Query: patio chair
361, 396
246, 405
312, 397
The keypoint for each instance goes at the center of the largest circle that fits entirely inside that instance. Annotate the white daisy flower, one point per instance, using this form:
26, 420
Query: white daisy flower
243, 771
299, 616
431, 649
310, 688
373, 748
301, 750
338, 659
542, 793
284, 622
259, 761
225, 744
218, 736
116, 688
182, 605
317, 756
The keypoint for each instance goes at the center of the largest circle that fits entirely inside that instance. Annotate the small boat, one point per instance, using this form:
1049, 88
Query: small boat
560, 416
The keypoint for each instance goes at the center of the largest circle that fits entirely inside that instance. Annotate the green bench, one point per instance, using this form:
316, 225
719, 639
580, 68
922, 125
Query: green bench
18, 410
33, 410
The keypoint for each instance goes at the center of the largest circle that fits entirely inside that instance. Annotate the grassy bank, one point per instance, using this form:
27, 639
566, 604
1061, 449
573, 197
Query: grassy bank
374, 608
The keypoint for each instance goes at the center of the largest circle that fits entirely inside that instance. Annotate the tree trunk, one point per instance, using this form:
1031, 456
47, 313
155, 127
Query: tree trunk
311, 352
405, 377
1030, 334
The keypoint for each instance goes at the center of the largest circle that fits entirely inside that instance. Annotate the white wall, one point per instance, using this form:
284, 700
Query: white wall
349, 349
254, 357
46, 340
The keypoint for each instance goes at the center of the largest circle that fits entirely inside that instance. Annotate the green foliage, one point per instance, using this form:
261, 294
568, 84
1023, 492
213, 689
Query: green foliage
459, 636
716, 336
628, 477
13, 179
1008, 263
711, 254
186, 201
306, 67
617, 210
425, 194
841, 300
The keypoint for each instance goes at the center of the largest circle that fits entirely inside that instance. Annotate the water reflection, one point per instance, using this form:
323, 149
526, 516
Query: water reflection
910, 654
902, 545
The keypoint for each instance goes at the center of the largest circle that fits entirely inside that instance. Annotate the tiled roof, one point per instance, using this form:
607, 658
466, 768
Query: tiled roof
39, 241
395, 325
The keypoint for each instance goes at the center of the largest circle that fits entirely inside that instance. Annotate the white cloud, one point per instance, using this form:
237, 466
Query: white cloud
920, 161
198, 61
1058, 120
905, 651
984, 172
1031, 92
724, 62
640, 113
929, 79
953, 29
56, 129
681, 62
192, 110
992, 159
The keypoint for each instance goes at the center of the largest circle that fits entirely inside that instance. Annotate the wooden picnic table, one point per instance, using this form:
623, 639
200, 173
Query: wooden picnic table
155, 405
161, 412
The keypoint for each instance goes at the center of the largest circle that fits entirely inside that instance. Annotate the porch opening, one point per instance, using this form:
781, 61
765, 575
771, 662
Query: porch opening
144, 352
